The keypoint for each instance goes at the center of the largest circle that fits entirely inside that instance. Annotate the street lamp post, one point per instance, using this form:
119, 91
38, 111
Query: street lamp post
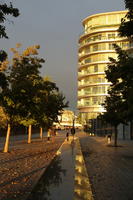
73, 126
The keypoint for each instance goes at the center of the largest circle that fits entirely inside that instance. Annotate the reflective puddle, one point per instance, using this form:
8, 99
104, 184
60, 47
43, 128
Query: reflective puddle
66, 178
82, 189
57, 182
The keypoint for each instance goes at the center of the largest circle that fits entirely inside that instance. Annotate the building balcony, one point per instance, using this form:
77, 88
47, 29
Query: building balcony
102, 40
88, 105
99, 50
93, 109
91, 73
81, 86
87, 34
84, 65
82, 96
85, 55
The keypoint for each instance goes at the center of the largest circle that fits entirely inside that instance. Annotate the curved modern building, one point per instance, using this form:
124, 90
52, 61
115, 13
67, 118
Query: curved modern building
95, 48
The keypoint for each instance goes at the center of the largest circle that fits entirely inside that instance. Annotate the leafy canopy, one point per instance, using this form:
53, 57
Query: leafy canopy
126, 27
30, 99
118, 103
4, 11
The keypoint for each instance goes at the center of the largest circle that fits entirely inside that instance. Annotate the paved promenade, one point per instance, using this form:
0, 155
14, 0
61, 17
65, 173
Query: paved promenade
110, 169
23, 165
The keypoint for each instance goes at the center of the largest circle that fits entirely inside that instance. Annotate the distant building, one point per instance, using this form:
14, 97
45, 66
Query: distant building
67, 120
95, 47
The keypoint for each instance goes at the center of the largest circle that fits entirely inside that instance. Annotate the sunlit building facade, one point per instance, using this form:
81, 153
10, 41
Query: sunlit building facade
67, 119
95, 48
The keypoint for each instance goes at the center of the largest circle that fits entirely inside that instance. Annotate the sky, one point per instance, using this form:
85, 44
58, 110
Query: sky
56, 26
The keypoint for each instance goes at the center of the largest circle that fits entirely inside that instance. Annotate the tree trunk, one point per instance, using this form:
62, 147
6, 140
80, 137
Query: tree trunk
41, 133
131, 130
7, 139
115, 139
124, 132
29, 134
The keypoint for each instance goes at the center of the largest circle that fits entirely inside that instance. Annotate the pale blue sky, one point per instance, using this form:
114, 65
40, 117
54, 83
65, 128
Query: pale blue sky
56, 26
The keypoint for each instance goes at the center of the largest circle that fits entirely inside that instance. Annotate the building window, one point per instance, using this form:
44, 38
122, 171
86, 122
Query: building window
88, 60
95, 68
95, 100
95, 47
103, 90
111, 46
111, 36
87, 91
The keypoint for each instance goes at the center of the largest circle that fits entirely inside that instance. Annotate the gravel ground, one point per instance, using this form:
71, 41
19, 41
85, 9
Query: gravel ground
23, 166
110, 169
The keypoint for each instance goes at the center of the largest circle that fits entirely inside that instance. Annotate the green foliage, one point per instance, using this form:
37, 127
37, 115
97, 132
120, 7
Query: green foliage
126, 27
117, 68
129, 4
29, 99
51, 105
25, 82
3, 118
3, 81
119, 102
27, 122
4, 11
3, 55
113, 106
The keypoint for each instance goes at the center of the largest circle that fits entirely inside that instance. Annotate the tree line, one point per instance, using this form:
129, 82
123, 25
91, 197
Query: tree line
119, 102
26, 98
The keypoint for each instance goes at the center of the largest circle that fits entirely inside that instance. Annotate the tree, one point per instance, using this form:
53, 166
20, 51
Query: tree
126, 27
4, 11
114, 102
120, 98
26, 83
52, 103
113, 114
129, 4
126, 30
7, 103
40, 97
28, 99
119, 102
18, 99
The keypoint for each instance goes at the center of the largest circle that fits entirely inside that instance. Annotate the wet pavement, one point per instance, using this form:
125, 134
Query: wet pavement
110, 169
66, 177
82, 188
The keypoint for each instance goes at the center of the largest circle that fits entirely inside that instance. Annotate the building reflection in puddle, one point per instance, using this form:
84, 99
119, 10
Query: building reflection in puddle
51, 177
82, 185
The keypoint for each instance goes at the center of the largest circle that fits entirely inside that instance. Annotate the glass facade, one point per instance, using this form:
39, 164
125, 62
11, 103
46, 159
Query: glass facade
95, 48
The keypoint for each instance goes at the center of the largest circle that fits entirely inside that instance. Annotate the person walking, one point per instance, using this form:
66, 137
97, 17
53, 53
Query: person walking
73, 131
48, 134
109, 138
67, 136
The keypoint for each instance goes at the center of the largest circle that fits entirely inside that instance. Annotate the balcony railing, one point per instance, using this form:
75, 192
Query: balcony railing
90, 104
93, 82
80, 74
92, 93
102, 38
